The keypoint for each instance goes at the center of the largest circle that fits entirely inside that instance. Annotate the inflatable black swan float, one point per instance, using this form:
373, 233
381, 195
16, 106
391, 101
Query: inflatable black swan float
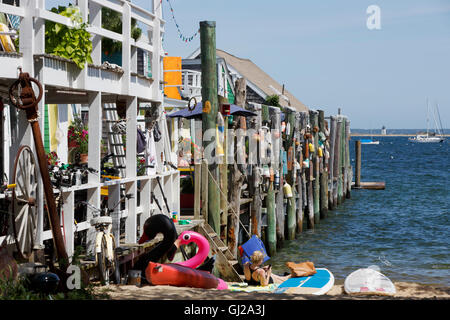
194, 272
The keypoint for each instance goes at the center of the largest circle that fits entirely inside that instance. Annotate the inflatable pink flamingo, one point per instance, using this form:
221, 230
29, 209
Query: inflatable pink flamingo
187, 237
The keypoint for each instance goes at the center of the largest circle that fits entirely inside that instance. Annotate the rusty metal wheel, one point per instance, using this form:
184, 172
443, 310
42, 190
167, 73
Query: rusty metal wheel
25, 201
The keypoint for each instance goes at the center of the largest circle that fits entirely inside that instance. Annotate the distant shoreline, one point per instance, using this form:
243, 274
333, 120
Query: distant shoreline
388, 135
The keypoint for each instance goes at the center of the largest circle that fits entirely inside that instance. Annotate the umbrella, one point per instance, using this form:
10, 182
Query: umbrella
197, 112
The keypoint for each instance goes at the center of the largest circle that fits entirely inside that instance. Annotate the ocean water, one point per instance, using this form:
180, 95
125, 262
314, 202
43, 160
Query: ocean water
404, 230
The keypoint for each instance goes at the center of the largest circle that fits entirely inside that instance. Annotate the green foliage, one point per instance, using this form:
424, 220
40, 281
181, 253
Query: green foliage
112, 20
18, 289
70, 43
273, 100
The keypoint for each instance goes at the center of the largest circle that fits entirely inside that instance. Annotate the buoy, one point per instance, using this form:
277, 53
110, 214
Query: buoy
287, 190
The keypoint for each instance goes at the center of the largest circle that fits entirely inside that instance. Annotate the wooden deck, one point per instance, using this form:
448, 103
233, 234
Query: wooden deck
370, 185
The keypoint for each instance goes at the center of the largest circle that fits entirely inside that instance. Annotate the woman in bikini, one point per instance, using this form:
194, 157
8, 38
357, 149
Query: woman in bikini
255, 275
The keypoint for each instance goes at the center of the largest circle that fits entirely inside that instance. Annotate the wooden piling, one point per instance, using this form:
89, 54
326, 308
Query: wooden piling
271, 221
197, 190
204, 189
255, 211
270, 198
347, 159
223, 172
209, 114
279, 198
299, 186
331, 204
341, 162
323, 172
291, 211
336, 161
313, 115
358, 164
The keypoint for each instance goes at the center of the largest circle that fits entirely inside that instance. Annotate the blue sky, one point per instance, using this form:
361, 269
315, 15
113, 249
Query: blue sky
326, 56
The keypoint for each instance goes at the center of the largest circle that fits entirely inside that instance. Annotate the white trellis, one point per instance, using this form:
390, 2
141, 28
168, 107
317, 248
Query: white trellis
94, 87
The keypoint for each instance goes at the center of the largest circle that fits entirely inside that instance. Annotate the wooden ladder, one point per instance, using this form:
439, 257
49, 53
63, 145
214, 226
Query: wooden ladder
225, 262
115, 141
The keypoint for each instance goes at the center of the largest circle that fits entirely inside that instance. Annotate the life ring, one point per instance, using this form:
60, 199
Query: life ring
189, 104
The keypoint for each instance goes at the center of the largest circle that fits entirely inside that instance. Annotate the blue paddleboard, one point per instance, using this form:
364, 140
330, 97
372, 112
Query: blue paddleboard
317, 284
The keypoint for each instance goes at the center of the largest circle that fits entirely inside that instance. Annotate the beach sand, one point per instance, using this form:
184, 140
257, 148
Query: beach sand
405, 290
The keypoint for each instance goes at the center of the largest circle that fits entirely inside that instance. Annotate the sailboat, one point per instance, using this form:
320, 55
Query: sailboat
430, 137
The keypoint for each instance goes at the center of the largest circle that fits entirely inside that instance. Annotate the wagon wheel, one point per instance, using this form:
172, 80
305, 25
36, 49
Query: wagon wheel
25, 202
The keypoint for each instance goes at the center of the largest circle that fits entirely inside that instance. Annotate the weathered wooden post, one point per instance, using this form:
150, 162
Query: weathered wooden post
270, 198
347, 159
223, 173
324, 171
256, 178
331, 204
341, 162
204, 189
197, 190
237, 177
271, 221
309, 181
358, 164
279, 197
290, 147
336, 161
210, 108
313, 115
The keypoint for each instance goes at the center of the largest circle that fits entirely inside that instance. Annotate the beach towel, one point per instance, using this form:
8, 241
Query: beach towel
239, 288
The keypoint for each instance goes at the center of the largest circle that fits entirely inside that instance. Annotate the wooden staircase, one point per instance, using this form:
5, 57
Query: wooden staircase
226, 263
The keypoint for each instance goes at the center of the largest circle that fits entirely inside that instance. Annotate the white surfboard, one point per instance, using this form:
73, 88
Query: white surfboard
368, 281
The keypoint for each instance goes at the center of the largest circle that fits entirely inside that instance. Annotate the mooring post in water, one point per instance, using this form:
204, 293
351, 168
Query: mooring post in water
331, 162
358, 164
343, 167
348, 165
209, 114
315, 160
290, 146
336, 161
324, 171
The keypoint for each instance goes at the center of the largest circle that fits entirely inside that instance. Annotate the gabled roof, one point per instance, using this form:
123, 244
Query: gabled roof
257, 79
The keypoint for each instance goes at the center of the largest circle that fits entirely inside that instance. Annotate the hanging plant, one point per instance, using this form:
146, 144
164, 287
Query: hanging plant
70, 43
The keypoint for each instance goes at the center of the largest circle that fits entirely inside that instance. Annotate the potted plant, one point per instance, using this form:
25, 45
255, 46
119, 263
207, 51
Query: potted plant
78, 139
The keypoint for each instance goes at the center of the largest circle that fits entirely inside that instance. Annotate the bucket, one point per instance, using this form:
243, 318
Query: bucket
175, 216
134, 277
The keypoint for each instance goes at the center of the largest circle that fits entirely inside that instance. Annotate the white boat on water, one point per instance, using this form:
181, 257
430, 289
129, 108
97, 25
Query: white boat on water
426, 139
430, 137
369, 141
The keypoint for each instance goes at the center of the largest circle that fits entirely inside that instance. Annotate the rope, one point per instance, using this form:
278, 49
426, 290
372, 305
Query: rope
228, 204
